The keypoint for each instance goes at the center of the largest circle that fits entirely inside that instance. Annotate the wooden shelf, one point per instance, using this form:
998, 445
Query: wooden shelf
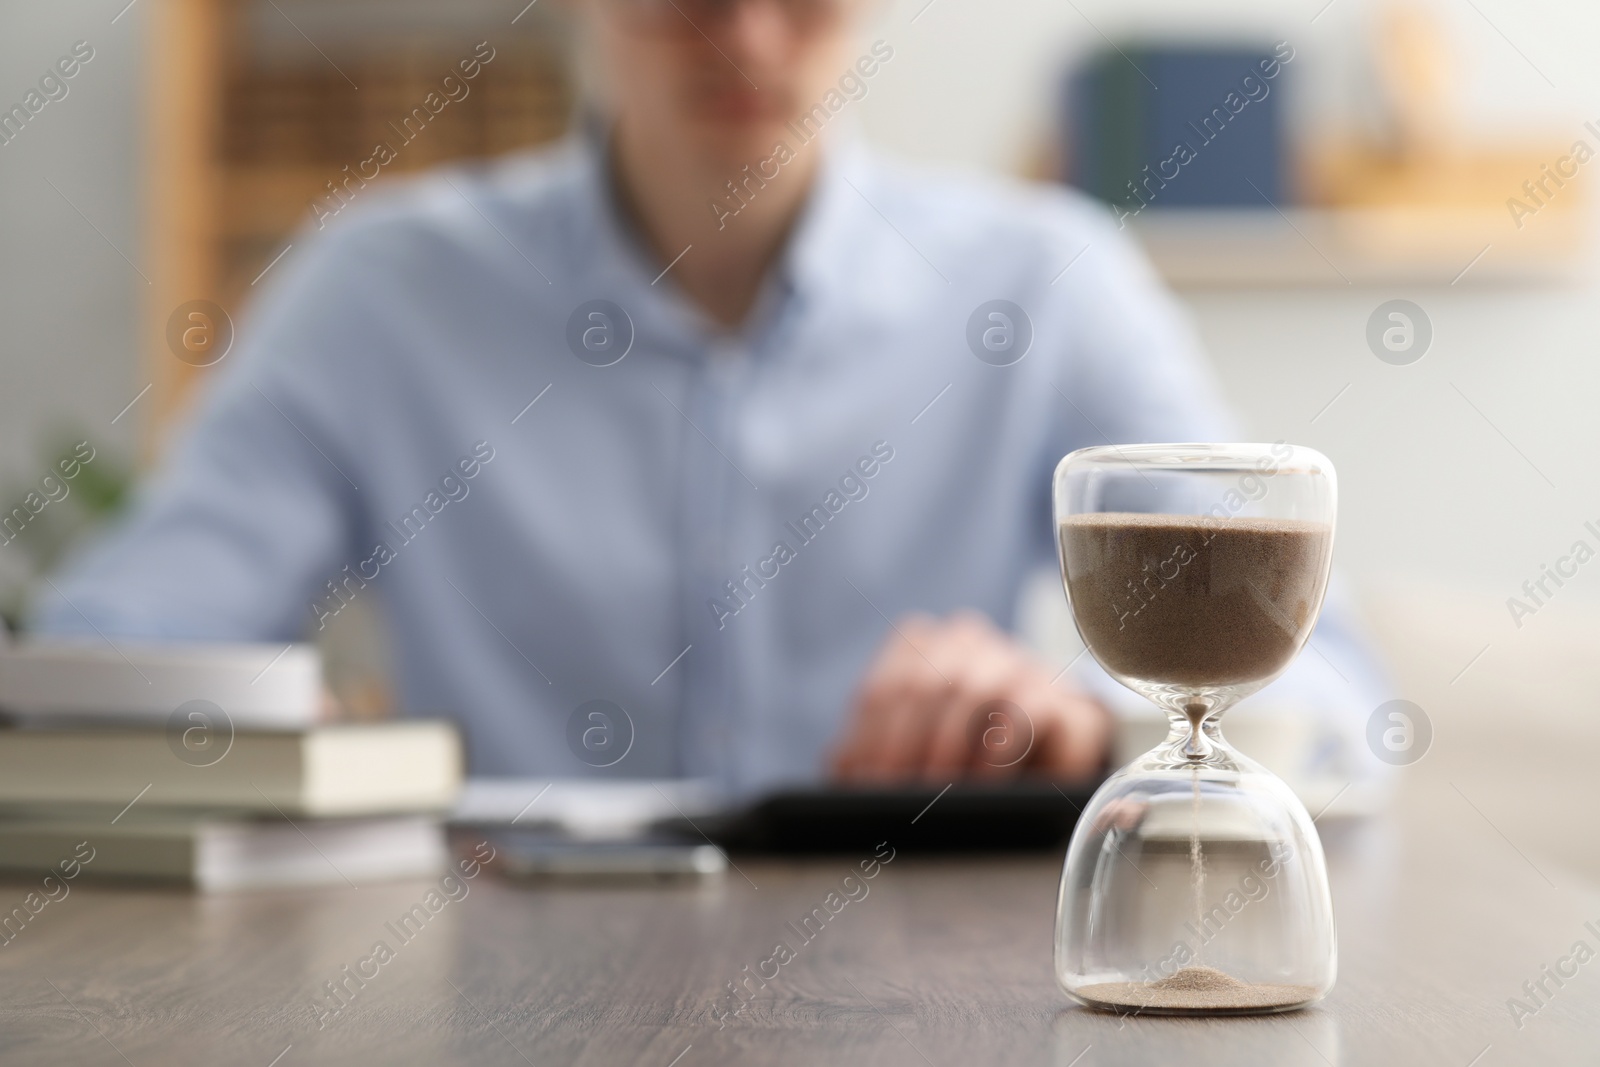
1249, 247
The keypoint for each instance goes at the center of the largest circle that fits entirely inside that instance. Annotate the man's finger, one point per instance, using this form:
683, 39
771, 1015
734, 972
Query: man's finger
1073, 739
949, 747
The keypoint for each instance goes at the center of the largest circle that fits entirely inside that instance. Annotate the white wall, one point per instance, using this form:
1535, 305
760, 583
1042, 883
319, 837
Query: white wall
68, 299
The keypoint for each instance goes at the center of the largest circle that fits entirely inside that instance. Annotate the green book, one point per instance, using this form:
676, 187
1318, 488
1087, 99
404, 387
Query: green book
1123, 124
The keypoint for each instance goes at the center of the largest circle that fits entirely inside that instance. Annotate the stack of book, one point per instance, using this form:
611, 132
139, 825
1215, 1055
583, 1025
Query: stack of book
209, 765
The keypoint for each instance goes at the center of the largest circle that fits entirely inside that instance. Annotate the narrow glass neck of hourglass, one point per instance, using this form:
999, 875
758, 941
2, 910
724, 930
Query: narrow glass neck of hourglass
1194, 732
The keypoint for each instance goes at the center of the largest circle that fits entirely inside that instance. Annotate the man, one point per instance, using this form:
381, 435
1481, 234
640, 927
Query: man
679, 417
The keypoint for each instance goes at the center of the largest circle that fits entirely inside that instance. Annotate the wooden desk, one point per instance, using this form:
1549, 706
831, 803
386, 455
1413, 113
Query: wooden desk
942, 963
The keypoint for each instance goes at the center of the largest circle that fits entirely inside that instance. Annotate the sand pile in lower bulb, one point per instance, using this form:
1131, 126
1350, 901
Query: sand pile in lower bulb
1196, 989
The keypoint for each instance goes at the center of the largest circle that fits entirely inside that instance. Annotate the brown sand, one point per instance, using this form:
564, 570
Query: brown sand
1200, 989
1193, 600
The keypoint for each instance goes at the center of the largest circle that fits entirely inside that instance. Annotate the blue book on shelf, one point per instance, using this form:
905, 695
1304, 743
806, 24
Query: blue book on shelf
1178, 127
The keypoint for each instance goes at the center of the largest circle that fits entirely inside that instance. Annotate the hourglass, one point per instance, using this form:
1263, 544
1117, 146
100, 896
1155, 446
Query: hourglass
1195, 882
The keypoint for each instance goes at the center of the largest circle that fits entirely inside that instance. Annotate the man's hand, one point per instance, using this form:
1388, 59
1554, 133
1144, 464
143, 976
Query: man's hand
956, 697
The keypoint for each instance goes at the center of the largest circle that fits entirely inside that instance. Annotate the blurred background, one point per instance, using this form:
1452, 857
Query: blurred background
1433, 153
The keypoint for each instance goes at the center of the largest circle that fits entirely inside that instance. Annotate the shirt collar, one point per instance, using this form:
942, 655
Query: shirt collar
830, 220
611, 253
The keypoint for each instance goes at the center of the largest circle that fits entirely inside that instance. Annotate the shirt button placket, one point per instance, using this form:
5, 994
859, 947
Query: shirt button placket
711, 499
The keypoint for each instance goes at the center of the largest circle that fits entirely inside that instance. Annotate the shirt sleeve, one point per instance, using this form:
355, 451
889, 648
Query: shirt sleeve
253, 509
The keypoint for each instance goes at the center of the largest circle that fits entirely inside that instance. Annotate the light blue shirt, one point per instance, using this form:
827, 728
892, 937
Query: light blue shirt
709, 530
